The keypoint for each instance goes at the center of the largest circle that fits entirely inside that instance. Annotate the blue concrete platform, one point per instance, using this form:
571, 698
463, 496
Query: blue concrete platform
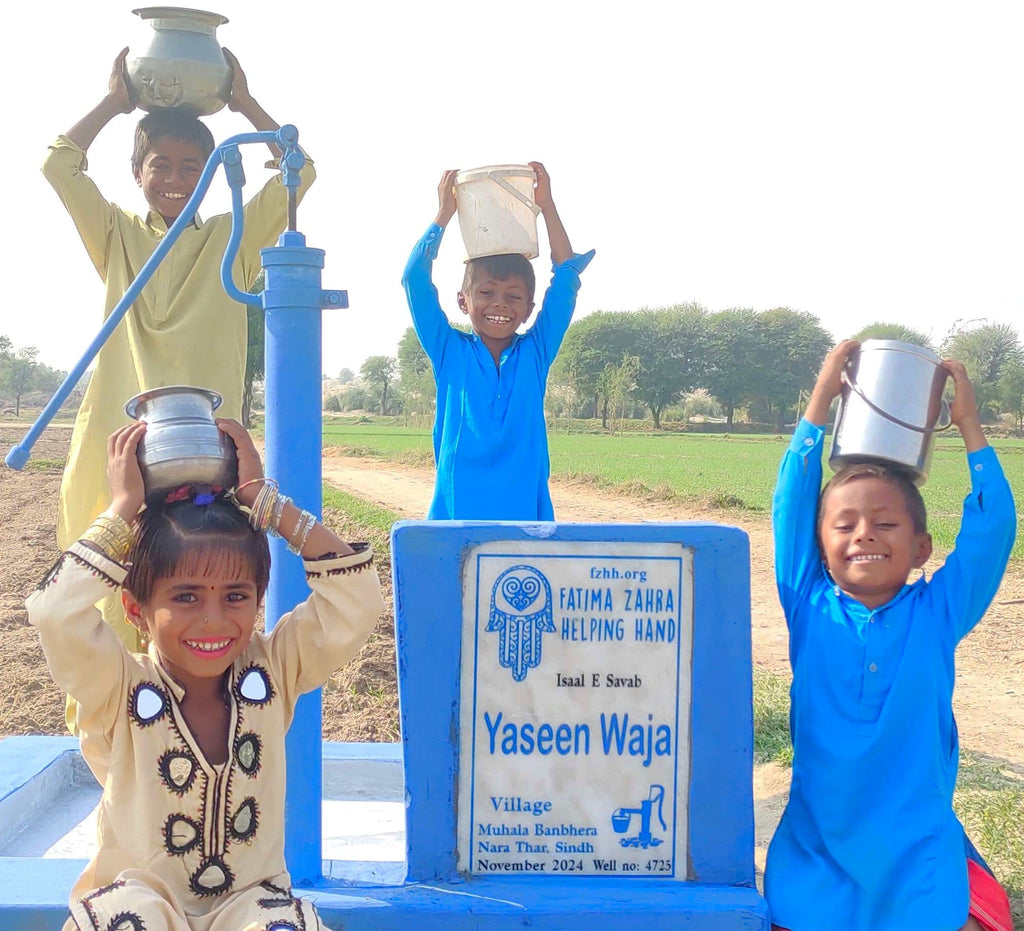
34, 898
45, 788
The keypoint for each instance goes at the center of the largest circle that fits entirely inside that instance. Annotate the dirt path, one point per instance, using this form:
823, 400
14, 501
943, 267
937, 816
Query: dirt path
989, 697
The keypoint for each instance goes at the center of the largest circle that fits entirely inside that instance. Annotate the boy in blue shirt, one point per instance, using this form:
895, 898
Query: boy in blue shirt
869, 840
490, 438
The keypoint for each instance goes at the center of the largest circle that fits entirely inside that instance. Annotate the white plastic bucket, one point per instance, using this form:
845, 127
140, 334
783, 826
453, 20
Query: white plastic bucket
497, 212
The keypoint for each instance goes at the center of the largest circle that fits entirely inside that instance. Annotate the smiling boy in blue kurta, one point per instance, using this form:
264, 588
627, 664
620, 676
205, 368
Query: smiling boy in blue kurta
490, 438
869, 840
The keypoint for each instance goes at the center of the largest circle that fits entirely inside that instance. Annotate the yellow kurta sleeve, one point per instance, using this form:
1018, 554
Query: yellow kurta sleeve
324, 632
92, 214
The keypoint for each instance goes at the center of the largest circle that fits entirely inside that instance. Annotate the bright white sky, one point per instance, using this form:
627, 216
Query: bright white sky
858, 161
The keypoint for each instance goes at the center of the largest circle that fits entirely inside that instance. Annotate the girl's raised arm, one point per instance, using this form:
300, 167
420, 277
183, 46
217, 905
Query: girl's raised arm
271, 510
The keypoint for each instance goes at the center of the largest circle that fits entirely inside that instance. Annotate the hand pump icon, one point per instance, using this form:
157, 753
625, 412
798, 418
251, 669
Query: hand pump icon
621, 818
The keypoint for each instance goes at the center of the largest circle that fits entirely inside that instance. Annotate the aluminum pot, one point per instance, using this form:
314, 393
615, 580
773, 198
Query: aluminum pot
182, 443
183, 65
891, 407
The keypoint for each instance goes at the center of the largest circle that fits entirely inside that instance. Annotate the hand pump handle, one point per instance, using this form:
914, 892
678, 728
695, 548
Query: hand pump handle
287, 138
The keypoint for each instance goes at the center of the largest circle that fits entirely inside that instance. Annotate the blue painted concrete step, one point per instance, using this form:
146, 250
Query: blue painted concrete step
35, 899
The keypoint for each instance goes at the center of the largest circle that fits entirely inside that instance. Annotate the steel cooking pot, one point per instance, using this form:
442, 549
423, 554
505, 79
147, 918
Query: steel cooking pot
182, 443
182, 65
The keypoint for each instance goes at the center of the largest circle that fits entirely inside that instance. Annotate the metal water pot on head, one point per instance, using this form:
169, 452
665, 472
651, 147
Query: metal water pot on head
182, 444
182, 65
891, 408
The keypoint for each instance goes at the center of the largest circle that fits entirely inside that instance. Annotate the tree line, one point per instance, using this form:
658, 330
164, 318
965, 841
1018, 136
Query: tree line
750, 365
22, 374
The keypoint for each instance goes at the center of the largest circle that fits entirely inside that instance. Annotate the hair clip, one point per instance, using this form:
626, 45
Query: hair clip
200, 495
205, 494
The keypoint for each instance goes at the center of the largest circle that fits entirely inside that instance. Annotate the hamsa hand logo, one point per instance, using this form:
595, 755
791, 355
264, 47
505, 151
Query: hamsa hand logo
521, 614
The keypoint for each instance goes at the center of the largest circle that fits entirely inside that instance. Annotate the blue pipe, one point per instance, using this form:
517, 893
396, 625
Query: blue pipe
236, 178
293, 301
286, 137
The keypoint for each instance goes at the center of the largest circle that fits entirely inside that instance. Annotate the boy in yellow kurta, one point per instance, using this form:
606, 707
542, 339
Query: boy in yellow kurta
183, 329
188, 739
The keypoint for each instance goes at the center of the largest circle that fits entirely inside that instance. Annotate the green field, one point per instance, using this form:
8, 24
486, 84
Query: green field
729, 471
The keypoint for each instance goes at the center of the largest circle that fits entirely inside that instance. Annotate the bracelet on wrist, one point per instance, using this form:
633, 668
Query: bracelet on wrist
277, 511
262, 507
112, 534
300, 532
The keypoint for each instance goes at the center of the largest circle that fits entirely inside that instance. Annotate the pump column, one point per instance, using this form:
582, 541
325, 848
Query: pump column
293, 300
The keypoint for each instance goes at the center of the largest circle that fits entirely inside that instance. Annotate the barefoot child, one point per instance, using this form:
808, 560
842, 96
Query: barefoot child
490, 438
183, 329
187, 740
869, 840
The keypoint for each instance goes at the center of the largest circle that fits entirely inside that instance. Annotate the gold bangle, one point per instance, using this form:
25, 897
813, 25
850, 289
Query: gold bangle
252, 481
256, 518
114, 544
117, 524
263, 506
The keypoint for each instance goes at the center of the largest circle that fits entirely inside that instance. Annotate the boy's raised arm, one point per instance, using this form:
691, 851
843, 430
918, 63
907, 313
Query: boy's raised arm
558, 238
969, 578
446, 203
241, 101
829, 383
429, 320
795, 501
117, 100
963, 410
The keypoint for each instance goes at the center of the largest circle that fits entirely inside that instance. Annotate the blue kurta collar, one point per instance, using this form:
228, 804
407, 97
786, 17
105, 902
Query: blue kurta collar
504, 352
892, 602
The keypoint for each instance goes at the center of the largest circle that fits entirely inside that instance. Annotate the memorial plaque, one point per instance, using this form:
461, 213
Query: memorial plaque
575, 709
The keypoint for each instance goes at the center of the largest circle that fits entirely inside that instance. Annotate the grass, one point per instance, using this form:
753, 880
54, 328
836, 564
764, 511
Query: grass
989, 797
385, 440
990, 802
45, 465
729, 472
771, 719
374, 521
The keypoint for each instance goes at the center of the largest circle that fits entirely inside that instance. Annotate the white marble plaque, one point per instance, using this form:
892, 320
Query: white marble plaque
574, 738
